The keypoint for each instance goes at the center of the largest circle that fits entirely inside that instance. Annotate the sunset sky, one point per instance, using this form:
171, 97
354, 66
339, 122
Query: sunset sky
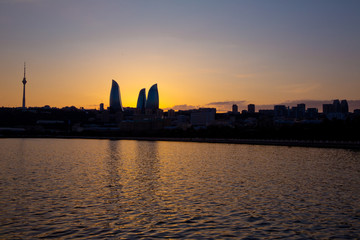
200, 52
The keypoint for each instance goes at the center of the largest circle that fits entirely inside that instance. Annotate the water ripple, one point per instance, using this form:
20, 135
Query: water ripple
69, 189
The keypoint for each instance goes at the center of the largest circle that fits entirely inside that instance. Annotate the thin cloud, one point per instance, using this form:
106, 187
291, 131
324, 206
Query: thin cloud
308, 102
225, 103
182, 107
353, 104
93, 105
226, 106
264, 107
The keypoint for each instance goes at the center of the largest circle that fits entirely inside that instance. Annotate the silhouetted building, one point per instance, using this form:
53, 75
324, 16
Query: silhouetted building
300, 111
337, 110
152, 101
328, 108
266, 112
203, 117
344, 106
312, 113
24, 82
280, 111
115, 98
251, 108
235, 108
141, 102
171, 113
101, 107
292, 113
337, 105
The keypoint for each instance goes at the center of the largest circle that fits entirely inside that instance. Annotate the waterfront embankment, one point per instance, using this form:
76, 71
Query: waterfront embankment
272, 142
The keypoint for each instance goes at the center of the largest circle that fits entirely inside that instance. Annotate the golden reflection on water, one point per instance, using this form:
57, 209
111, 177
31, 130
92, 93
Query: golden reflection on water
113, 168
57, 188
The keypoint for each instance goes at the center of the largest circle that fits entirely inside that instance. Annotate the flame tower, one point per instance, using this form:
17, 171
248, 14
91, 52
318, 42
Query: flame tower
24, 82
152, 101
115, 98
141, 100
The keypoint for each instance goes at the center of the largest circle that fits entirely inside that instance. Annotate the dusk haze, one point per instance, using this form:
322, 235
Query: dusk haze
180, 119
199, 52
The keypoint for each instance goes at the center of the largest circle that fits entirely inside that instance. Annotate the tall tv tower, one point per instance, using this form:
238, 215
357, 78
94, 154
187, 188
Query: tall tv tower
24, 82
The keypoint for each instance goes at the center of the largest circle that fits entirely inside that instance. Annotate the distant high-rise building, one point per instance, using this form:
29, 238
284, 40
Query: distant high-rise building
115, 98
301, 107
293, 112
312, 113
344, 106
328, 108
337, 105
336, 110
280, 111
251, 108
141, 102
235, 108
171, 113
203, 117
24, 82
300, 111
152, 102
101, 107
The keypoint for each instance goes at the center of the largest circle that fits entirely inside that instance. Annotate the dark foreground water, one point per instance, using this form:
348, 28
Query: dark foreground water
101, 189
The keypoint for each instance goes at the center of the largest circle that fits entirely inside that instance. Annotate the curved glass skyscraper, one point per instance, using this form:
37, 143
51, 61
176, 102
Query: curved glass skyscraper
115, 98
141, 102
152, 101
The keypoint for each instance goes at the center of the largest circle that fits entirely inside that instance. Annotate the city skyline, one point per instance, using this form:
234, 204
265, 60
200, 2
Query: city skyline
115, 97
201, 54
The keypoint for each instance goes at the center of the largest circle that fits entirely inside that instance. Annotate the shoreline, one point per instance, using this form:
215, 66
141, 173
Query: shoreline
266, 142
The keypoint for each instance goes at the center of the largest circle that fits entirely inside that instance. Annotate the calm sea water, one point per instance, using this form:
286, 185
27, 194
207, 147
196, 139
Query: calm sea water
63, 188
